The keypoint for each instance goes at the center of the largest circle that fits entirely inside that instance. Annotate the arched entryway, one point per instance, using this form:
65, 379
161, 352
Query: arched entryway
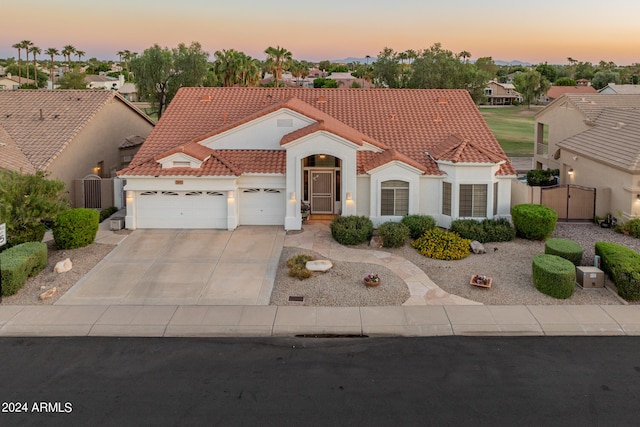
321, 184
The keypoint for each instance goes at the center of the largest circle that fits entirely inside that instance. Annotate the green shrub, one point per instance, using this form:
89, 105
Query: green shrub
32, 232
439, 244
487, 230
534, 222
20, 262
351, 230
539, 177
632, 227
75, 228
622, 265
393, 234
564, 248
418, 224
553, 275
107, 212
297, 266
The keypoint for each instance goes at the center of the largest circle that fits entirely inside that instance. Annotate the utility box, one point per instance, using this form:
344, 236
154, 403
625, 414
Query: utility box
116, 223
590, 277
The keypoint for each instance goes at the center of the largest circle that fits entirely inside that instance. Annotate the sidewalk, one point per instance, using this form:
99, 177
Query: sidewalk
266, 321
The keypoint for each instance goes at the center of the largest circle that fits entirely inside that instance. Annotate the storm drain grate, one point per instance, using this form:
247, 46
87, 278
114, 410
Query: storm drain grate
331, 336
299, 299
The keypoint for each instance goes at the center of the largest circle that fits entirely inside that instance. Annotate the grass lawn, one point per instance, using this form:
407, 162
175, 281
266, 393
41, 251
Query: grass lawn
513, 128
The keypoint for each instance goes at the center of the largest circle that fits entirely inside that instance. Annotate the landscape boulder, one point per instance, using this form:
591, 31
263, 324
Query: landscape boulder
477, 247
319, 265
63, 266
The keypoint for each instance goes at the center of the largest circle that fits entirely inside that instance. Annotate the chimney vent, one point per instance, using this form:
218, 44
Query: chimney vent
41, 115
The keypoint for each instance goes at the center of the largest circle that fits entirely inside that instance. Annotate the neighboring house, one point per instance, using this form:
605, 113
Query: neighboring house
70, 133
224, 157
594, 140
14, 82
556, 92
501, 93
129, 148
613, 88
95, 81
129, 92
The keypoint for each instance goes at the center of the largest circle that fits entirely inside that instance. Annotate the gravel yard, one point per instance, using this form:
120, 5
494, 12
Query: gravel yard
509, 263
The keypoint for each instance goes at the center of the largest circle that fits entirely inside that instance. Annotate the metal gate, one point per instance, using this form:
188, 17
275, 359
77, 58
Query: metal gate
571, 202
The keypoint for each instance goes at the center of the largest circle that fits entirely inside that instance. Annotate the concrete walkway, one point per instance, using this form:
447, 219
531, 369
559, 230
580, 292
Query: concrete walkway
265, 321
317, 238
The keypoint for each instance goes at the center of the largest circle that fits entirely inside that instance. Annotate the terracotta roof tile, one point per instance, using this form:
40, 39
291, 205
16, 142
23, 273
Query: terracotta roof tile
557, 91
412, 122
43, 122
10, 155
456, 149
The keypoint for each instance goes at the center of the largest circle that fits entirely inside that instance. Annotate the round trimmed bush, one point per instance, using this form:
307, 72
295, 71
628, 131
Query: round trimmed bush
418, 224
534, 222
567, 249
75, 228
439, 244
393, 234
351, 230
553, 275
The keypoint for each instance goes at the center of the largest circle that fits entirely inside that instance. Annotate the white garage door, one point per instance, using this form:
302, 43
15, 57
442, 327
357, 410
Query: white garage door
262, 206
181, 209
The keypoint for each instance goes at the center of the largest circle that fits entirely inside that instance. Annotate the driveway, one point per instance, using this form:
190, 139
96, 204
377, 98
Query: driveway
185, 267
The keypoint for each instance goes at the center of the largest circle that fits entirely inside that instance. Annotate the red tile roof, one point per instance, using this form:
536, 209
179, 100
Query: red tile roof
557, 91
411, 122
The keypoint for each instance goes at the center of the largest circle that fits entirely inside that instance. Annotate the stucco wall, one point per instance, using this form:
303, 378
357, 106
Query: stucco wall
98, 141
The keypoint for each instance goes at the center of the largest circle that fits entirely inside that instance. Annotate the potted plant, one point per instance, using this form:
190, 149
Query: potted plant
481, 280
372, 280
305, 210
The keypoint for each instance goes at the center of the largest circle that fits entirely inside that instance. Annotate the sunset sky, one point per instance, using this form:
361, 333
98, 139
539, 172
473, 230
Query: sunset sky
532, 31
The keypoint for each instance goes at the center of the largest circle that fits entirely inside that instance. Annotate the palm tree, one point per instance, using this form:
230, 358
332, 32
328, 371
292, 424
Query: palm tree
80, 54
465, 55
226, 66
26, 44
278, 59
120, 54
128, 56
36, 51
66, 52
19, 47
52, 51
248, 70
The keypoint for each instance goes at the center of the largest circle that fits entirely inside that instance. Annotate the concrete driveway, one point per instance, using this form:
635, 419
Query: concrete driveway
185, 267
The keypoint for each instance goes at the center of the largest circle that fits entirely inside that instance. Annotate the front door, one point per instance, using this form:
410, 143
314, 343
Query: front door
322, 188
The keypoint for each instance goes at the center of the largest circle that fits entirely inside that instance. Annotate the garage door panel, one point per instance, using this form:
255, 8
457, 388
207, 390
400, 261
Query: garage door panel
181, 210
262, 206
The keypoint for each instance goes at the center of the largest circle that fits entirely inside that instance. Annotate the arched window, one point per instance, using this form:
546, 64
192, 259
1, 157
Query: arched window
394, 198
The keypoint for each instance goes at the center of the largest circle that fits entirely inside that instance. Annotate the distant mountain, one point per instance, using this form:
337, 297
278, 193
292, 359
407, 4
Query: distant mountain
513, 63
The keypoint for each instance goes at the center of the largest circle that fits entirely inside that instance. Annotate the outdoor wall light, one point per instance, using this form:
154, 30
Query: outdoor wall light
349, 195
570, 172
230, 195
292, 196
322, 156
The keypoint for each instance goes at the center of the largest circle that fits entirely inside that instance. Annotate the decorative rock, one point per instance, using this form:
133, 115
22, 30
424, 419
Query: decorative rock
43, 287
48, 294
375, 242
319, 265
477, 247
63, 266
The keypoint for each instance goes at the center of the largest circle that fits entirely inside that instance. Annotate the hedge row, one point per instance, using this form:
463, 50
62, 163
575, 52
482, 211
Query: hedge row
488, 230
20, 262
622, 265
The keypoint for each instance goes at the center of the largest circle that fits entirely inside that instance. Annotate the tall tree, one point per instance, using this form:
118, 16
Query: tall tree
67, 51
278, 60
386, 69
35, 50
531, 85
226, 66
19, 47
80, 54
160, 72
72, 80
52, 51
26, 45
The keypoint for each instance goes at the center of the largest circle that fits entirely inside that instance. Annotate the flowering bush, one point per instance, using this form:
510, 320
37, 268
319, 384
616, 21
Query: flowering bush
439, 244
